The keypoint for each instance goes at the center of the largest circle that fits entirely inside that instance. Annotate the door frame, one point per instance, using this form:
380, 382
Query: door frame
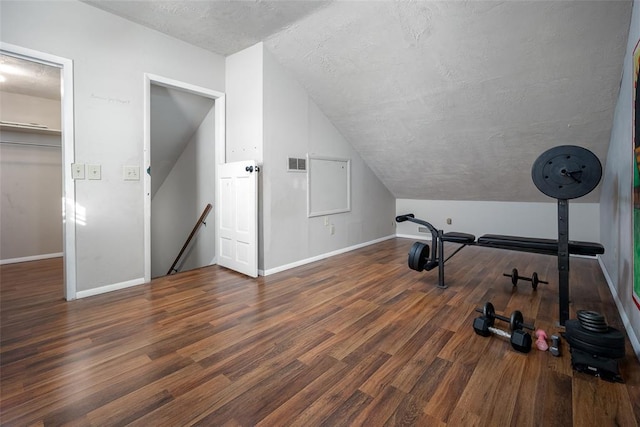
220, 121
68, 156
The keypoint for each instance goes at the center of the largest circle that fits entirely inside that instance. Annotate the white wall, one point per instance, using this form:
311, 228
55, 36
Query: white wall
616, 199
179, 202
509, 218
293, 127
287, 123
30, 181
245, 108
110, 57
30, 109
31, 200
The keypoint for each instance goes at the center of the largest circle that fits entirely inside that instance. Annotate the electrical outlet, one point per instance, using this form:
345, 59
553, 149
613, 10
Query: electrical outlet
449, 221
326, 221
77, 170
332, 229
131, 173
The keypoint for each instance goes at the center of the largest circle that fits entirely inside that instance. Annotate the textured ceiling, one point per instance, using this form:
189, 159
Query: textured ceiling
224, 27
450, 100
456, 100
29, 78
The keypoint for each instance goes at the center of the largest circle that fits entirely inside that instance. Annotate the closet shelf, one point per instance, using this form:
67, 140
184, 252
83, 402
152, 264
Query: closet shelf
29, 129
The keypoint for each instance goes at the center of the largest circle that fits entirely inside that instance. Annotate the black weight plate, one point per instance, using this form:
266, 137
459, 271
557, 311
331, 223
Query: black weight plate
612, 338
418, 255
593, 316
534, 281
488, 311
414, 256
566, 172
592, 321
516, 320
514, 276
597, 328
596, 350
587, 321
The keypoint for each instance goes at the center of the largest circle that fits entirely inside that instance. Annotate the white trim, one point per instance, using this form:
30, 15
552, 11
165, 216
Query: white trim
220, 121
322, 256
30, 258
146, 156
635, 341
221, 129
411, 236
68, 157
310, 209
110, 288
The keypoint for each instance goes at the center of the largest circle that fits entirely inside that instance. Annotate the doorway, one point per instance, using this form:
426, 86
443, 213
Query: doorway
45, 71
184, 140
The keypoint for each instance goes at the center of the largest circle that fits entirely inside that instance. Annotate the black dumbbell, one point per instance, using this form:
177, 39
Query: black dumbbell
516, 321
519, 339
533, 279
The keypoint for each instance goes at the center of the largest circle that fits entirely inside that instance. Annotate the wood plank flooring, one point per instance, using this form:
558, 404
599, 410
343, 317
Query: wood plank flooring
357, 339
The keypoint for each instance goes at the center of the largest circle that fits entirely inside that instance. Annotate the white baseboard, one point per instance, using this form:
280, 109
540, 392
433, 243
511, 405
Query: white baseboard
635, 342
322, 256
109, 288
30, 258
415, 237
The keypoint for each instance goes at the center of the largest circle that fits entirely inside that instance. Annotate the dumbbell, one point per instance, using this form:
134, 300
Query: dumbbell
533, 279
516, 321
519, 339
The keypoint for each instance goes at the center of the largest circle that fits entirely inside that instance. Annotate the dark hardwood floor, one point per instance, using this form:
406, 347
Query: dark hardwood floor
357, 339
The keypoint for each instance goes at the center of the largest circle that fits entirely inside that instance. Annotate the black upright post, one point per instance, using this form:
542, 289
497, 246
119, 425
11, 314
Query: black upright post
441, 284
563, 258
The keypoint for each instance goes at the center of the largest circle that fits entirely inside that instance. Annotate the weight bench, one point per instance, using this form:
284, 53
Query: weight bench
422, 258
538, 246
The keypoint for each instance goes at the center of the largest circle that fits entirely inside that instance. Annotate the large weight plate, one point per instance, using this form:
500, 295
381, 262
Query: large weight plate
418, 256
566, 172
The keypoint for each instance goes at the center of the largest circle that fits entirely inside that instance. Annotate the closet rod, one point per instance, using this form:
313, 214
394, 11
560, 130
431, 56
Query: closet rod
30, 143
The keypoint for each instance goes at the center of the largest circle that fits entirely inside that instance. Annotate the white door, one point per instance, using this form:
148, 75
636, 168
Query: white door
237, 234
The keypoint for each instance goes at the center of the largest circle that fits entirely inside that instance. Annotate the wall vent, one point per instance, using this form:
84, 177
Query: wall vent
296, 165
423, 230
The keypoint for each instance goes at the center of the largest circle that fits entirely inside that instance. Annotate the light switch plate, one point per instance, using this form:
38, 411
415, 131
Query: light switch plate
131, 173
94, 172
77, 170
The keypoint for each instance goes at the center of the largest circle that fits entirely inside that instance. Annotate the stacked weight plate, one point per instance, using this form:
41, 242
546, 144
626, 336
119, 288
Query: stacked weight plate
591, 334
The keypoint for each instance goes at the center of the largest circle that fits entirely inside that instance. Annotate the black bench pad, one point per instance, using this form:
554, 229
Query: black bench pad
541, 246
455, 237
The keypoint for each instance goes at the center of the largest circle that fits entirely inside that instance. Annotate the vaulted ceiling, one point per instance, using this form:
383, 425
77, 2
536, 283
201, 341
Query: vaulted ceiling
450, 100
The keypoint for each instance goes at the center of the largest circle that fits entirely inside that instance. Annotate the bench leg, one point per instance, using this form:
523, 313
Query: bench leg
441, 284
563, 259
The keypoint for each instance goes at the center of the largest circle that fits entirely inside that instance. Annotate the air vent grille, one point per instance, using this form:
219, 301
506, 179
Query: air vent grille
297, 165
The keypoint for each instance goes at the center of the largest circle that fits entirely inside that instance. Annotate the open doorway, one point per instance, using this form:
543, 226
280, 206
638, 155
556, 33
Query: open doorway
184, 139
38, 209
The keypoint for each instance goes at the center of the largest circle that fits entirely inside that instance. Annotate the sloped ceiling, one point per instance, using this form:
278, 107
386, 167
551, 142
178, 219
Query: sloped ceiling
450, 100
175, 116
